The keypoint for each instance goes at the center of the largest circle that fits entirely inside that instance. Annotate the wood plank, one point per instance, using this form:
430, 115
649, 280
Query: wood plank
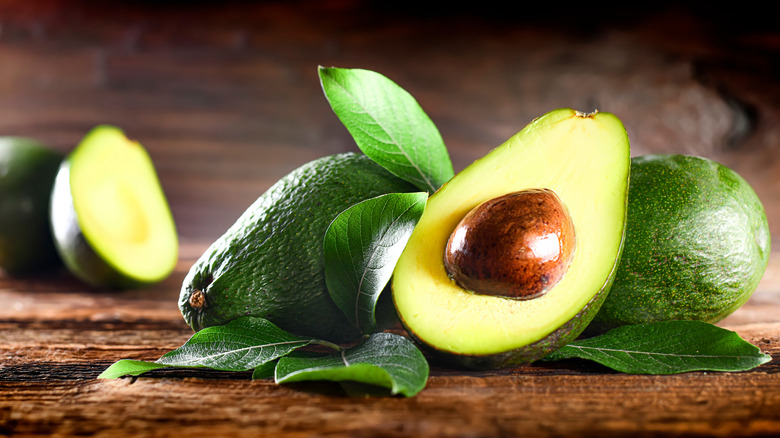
49, 367
50, 361
529, 400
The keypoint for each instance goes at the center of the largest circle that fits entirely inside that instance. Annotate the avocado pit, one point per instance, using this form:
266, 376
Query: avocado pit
517, 245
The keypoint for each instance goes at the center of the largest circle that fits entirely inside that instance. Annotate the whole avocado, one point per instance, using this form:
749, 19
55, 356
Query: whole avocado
697, 244
270, 263
27, 172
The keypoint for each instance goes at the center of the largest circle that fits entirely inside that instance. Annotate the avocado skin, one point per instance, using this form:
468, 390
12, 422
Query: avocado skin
270, 263
27, 172
697, 244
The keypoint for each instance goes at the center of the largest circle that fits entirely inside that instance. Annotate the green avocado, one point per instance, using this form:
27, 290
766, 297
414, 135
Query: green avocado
27, 171
111, 222
270, 263
584, 159
697, 243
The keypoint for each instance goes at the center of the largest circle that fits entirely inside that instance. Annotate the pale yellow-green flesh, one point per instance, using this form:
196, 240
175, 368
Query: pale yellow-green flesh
585, 161
120, 205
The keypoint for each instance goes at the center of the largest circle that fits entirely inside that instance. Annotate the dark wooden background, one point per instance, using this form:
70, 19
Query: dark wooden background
226, 99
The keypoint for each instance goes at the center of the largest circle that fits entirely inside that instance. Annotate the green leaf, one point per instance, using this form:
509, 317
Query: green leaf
362, 246
384, 359
128, 367
266, 370
240, 345
388, 125
667, 347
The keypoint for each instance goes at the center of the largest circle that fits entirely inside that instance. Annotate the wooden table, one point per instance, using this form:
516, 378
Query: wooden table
226, 99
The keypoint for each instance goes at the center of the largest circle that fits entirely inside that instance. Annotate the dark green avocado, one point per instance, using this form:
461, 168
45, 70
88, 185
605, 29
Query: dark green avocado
270, 263
27, 172
697, 243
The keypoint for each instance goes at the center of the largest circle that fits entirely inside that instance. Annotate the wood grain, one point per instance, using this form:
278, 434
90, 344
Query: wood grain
225, 97
51, 390
49, 361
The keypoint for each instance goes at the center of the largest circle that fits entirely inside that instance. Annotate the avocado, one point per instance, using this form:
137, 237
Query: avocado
27, 171
584, 160
270, 263
697, 243
112, 224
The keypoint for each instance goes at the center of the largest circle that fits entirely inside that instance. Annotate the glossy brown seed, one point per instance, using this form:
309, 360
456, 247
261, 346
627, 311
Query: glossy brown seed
518, 245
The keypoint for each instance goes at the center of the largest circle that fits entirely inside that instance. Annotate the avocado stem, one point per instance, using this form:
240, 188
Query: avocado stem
584, 115
198, 299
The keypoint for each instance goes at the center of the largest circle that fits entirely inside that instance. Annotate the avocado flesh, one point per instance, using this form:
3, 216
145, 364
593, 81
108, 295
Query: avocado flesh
110, 217
697, 244
27, 172
270, 263
584, 159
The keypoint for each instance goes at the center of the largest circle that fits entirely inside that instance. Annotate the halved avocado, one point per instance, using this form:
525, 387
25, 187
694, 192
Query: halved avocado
111, 221
584, 159
27, 171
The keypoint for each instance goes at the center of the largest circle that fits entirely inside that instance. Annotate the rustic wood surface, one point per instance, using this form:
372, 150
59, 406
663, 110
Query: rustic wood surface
225, 97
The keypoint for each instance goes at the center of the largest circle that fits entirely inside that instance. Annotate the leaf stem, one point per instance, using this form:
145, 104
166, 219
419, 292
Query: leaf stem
331, 345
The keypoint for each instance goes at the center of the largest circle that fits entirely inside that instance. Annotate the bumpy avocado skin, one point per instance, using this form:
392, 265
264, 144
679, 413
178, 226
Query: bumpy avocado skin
697, 244
27, 172
270, 263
